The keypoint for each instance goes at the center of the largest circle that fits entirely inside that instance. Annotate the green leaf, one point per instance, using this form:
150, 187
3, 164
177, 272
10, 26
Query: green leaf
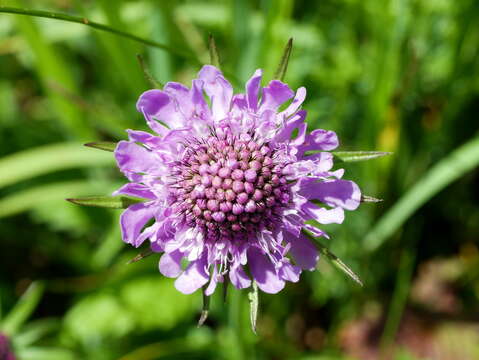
46, 159
102, 145
283, 64
333, 259
453, 166
353, 156
110, 202
23, 309
253, 298
214, 57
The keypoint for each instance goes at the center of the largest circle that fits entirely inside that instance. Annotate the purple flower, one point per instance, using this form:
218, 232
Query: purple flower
5, 349
228, 186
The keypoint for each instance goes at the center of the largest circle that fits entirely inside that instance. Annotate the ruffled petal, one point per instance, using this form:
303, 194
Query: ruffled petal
182, 96
320, 139
341, 193
323, 215
296, 103
132, 221
239, 278
136, 190
194, 277
252, 89
170, 264
286, 130
151, 141
274, 95
264, 272
289, 272
304, 253
133, 159
218, 89
158, 107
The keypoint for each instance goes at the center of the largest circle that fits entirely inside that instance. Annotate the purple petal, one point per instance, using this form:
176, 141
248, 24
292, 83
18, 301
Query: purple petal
289, 272
170, 264
304, 253
132, 158
274, 95
198, 99
320, 139
215, 278
137, 190
182, 96
158, 105
297, 121
296, 103
342, 193
218, 89
148, 139
239, 278
323, 215
132, 221
252, 89
194, 277
264, 272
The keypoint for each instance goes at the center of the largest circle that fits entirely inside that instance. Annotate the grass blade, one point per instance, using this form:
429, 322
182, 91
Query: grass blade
45, 159
460, 161
23, 309
36, 196
109, 202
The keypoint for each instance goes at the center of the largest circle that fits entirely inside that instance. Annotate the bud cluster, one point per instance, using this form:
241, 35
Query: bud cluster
226, 185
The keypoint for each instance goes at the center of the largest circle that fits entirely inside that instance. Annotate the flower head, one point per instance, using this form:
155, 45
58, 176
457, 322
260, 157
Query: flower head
230, 181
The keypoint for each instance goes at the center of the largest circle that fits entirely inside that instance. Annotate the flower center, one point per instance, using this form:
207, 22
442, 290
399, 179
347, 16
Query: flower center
226, 186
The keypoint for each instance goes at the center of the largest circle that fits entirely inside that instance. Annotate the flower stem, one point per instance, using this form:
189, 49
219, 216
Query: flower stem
95, 25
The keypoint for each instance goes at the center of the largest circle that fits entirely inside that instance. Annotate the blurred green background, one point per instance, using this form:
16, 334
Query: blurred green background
393, 75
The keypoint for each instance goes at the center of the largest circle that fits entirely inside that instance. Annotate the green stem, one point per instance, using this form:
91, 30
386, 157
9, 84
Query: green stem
95, 25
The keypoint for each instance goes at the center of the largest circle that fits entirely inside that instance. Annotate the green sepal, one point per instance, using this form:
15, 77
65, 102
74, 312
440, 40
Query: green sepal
253, 298
370, 199
353, 156
214, 56
102, 145
333, 259
147, 74
206, 308
283, 64
110, 202
141, 256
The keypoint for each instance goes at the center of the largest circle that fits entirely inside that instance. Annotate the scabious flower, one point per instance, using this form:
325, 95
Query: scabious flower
230, 181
